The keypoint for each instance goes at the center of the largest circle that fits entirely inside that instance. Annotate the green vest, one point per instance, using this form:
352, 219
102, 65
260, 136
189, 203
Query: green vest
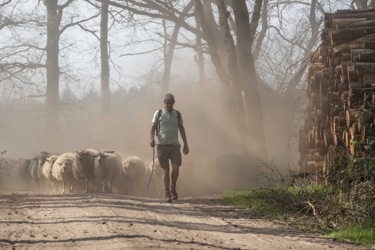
167, 126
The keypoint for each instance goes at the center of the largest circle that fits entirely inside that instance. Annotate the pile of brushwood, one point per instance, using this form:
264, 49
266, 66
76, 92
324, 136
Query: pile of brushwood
299, 200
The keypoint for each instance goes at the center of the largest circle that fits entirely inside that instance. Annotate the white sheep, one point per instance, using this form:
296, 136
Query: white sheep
83, 167
47, 170
62, 170
34, 172
36, 169
134, 167
107, 167
24, 171
136, 174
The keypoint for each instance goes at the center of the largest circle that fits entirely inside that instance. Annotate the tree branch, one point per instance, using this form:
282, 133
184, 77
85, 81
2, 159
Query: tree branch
263, 31
286, 39
3, 4
76, 23
141, 53
161, 13
66, 4
6, 66
89, 31
255, 20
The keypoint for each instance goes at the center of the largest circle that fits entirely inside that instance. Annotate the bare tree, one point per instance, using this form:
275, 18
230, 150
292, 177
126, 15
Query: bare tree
169, 49
54, 17
20, 61
104, 58
242, 78
14, 66
199, 59
263, 31
245, 32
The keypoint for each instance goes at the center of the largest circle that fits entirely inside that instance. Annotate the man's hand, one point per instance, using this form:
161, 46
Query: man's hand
185, 149
152, 143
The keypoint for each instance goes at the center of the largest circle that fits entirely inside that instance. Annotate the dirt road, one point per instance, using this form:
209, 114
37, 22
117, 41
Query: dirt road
110, 221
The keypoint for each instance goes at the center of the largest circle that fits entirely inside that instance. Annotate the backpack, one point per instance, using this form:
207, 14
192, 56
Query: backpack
158, 120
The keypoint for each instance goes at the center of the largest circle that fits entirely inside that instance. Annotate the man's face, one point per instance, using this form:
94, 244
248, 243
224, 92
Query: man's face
168, 104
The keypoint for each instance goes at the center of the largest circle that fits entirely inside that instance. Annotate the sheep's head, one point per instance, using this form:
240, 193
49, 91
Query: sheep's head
65, 164
102, 156
51, 160
62, 169
43, 157
126, 164
81, 155
36, 159
42, 160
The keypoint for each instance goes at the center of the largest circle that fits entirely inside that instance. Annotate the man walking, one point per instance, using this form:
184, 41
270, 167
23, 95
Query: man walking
166, 123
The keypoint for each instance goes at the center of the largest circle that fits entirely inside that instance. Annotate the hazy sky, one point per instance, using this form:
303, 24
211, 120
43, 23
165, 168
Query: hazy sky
80, 55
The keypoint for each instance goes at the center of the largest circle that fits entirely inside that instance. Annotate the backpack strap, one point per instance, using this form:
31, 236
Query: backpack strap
178, 117
158, 122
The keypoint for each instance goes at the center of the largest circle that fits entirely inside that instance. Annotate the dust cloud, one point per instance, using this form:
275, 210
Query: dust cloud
215, 162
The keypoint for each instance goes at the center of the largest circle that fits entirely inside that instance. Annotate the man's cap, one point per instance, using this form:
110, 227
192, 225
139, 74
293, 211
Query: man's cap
169, 96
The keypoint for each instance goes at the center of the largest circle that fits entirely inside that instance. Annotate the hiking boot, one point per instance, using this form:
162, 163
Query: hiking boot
168, 197
174, 193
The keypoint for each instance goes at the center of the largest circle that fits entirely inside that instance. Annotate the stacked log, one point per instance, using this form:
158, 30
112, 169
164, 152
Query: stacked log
341, 91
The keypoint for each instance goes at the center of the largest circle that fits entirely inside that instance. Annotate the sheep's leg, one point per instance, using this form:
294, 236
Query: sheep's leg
85, 184
63, 188
53, 187
110, 184
36, 186
71, 187
104, 185
93, 185
111, 181
57, 187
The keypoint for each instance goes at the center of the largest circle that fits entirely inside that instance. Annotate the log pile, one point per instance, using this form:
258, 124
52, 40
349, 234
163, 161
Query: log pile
341, 92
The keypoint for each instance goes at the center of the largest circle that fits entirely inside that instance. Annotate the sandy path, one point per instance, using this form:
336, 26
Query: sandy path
97, 221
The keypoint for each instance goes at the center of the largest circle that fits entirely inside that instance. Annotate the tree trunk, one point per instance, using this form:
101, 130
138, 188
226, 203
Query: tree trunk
228, 99
199, 59
255, 134
104, 59
53, 73
168, 57
234, 86
212, 47
263, 31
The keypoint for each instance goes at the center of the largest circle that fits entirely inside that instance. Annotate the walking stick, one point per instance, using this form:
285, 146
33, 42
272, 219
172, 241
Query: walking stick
153, 165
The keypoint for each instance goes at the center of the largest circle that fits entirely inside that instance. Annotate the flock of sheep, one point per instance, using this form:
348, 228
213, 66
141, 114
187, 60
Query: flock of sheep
83, 170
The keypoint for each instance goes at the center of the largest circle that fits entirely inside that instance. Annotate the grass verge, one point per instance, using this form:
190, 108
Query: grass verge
296, 207
362, 234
